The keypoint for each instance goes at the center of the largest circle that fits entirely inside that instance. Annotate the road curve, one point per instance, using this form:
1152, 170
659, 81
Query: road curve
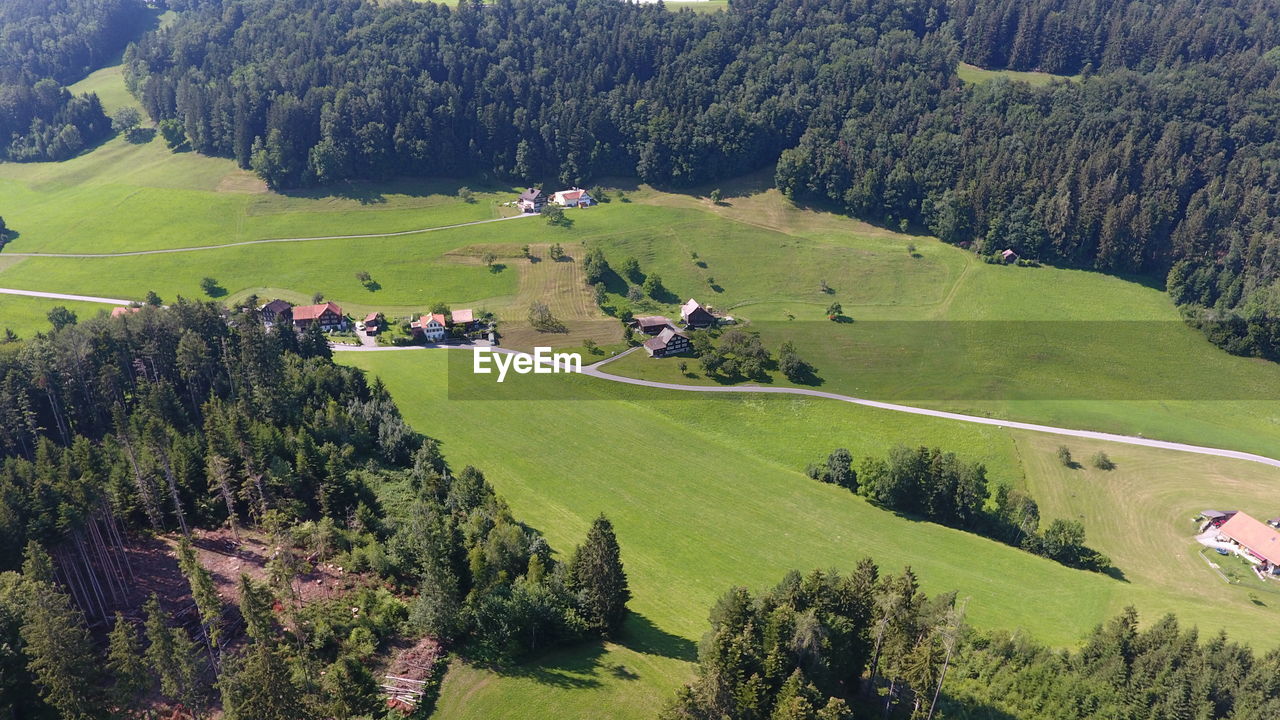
196, 248
64, 296
595, 371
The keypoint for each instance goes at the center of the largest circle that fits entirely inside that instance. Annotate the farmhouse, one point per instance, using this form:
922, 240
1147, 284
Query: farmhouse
652, 324
327, 315
1254, 540
531, 200
276, 311
669, 342
1009, 256
429, 327
696, 316
123, 310
576, 197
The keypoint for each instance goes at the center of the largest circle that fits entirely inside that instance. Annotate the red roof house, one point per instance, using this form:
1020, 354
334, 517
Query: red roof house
327, 315
1252, 535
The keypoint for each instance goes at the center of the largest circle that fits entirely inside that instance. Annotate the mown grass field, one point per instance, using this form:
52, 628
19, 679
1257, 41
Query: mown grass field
709, 492
27, 316
976, 75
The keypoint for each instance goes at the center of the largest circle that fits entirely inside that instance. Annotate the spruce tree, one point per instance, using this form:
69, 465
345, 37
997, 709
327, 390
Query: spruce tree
170, 654
205, 594
57, 644
597, 577
126, 666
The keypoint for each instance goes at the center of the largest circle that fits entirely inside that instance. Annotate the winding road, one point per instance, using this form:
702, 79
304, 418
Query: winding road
196, 248
595, 371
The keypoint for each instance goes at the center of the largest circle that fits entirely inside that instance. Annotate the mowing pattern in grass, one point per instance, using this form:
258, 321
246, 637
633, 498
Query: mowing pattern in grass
707, 492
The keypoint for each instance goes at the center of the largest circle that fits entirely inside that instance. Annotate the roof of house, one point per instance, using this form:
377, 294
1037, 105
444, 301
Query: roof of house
1212, 514
1008, 253
570, 195
663, 339
652, 321
371, 317
313, 312
463, 316
691, 307
530, 194
123, 310
276, 306
1262, 540
426, 319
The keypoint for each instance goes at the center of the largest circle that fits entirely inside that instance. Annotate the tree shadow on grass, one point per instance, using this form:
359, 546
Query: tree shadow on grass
572, 668
643, 636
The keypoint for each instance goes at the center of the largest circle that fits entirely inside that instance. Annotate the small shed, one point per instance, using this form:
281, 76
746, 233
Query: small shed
1009, 256
652, 324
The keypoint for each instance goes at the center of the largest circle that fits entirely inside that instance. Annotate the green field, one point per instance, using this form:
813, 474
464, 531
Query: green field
708, 492
26, 316
976, 75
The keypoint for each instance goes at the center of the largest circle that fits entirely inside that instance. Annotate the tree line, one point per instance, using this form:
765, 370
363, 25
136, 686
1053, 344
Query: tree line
168, 420
1154, 165
45, 44
829, 646
939, 486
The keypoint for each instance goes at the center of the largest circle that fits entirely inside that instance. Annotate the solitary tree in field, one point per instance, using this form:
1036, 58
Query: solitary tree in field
465, 194
1064, 456
126, 120
1102, 461
488, 258
542, 320
60, 317
153, 299
556, 252
716, 196
4, 231
525, 250
599, 580
834, 311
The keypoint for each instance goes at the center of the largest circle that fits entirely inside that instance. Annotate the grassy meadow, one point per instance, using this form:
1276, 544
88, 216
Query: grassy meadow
975, 75
708, 492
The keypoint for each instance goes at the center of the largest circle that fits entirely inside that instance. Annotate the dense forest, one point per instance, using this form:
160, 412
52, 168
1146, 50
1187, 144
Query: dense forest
45, 44
165, 421
827, 646
1155, 163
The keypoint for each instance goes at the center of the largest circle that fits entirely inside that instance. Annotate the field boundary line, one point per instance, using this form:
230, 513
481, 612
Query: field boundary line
266, 241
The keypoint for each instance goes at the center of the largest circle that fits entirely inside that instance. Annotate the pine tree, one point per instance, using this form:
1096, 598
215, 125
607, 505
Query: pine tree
205, 594
259, 686
599, 580
170, 654
57, 644
125, 663
255, 607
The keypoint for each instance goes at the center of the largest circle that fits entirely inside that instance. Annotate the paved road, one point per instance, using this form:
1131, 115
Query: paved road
264, 242
595, 371
64, 296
